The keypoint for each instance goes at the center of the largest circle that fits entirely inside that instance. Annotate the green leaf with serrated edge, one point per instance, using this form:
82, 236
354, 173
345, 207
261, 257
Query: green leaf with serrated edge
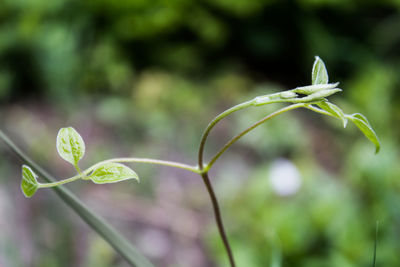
334, 110
319, 74
70, 145
112, 173
29, 183
362, 123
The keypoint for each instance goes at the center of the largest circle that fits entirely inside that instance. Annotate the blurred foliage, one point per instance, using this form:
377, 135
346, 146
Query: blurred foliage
143, 78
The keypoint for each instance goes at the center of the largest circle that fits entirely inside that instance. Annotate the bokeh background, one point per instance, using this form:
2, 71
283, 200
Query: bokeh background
143, 78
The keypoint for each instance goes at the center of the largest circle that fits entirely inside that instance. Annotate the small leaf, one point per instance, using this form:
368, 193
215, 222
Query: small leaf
362, 123
317, 96
310, 89
323, 94
288, 94
112, 173
29, 183
334, 110
319, 74
70, 145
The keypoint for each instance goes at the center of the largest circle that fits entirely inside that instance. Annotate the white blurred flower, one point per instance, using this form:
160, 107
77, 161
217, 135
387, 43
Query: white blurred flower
284, 177
154, 243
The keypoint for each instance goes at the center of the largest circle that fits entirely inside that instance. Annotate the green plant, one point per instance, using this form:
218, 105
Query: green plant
71, 148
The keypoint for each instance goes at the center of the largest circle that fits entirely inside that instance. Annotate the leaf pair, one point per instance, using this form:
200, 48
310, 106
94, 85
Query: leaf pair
319, 76
71, 147
316, 94
304, 94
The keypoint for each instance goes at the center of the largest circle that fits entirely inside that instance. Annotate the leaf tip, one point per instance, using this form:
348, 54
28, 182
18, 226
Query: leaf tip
345, 121
377, 148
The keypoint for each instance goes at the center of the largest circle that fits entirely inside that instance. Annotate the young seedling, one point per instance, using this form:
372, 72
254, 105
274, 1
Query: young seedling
71, 147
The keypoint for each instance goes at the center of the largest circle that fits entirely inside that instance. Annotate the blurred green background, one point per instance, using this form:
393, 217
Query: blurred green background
143, 78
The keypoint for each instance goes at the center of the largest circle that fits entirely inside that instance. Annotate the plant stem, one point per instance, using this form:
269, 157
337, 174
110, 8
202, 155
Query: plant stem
206, 180
146, 160
84, 174
78, 169
57, 183
204, 171
109, 234
218, 217
240, 135
213, 123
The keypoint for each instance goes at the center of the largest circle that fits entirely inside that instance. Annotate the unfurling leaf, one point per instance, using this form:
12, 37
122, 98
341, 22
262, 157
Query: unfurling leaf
320, 95
334, 111
29, 183
319, 74
288, 95
112, 173
362, 123
310, 89
70, 145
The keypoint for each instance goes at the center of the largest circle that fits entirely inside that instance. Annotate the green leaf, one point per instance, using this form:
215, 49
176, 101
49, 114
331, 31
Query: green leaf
334, 111
322, 94
319, 74
112, 173
29, 183
362, 123
317, 96
310, 89
70, 145
287, 94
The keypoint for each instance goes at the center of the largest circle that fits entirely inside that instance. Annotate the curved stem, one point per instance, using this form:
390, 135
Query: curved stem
127, 160
146, 160
78, 169
206, 180
68, 180
218, 217
204, 171
240, 135
213, 123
